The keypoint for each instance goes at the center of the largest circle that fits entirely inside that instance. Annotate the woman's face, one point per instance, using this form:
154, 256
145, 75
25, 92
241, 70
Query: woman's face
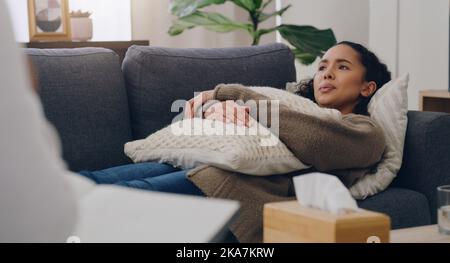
339, 80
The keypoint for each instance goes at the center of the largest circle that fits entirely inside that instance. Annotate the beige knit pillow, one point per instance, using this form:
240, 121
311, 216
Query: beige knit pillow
181, 145
389, 107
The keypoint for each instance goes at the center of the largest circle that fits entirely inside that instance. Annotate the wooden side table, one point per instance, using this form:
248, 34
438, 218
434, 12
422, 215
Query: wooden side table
434, 100
120, 47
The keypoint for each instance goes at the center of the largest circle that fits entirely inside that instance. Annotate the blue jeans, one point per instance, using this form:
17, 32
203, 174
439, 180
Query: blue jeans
147, 176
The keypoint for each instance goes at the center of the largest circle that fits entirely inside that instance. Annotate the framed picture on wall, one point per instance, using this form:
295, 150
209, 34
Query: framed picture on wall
49, 20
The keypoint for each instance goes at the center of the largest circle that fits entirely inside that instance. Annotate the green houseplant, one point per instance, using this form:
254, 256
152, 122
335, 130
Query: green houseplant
308, 42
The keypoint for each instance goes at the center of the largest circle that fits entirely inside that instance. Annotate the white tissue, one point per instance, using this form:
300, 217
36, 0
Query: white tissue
323, 191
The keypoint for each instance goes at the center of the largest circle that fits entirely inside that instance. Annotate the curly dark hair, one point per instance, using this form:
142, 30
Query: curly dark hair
375, 71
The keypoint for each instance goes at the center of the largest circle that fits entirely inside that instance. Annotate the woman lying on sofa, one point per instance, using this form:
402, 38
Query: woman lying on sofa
347, 77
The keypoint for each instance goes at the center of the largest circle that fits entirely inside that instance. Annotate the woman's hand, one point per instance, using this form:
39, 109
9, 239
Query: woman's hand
193, 104
229, 112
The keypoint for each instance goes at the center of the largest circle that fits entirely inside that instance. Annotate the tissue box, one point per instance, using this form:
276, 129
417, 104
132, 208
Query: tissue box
291, 222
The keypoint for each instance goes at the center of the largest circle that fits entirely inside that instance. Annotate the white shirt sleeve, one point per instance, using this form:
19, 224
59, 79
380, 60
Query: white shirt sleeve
37, 202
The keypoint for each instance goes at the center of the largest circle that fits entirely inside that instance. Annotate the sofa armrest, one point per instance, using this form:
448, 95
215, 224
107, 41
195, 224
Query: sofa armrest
426, 158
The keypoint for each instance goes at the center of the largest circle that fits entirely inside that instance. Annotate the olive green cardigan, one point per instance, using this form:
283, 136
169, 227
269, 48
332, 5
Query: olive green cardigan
347, 148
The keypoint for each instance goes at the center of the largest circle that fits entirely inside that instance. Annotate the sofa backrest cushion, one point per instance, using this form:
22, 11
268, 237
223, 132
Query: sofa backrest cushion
156, 77
84, 97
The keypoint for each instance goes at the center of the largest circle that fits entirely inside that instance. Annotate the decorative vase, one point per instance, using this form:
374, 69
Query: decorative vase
81, 28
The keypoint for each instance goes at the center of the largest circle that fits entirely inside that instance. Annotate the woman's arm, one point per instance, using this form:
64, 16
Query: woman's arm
356, 141
236, 92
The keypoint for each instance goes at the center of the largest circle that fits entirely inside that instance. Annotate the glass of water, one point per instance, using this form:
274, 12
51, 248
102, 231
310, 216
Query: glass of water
444, 209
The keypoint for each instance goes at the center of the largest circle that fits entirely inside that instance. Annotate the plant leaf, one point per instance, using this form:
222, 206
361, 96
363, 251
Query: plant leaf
257, 3
249, 5
182, 8
266, 4
178, 27
263, 16
264, 31
211, 21
308, 39
309, 42
304, 58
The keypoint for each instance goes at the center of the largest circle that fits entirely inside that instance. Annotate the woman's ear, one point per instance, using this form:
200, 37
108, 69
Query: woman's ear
368, 89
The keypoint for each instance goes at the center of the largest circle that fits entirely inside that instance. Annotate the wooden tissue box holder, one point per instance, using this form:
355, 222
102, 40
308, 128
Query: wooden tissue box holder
291, 222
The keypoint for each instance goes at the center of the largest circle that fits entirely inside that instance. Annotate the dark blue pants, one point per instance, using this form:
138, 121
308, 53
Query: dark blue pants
147, 176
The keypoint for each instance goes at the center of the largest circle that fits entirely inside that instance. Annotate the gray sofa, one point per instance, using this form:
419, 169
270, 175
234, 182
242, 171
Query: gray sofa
97, 105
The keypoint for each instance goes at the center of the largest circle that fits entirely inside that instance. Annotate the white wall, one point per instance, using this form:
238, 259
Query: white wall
383, 29
422, 41
18, 11
423, 45
349, 20
111, 18
151, 20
